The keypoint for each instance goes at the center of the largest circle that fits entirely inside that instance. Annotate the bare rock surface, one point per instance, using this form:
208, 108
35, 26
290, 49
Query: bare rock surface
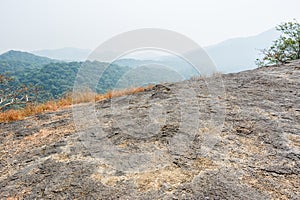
151, 145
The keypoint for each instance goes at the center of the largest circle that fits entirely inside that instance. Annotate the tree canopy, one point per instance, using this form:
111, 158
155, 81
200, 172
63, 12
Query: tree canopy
285, 48
21, 73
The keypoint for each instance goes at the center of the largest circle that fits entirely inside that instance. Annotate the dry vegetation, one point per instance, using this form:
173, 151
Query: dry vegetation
30, 109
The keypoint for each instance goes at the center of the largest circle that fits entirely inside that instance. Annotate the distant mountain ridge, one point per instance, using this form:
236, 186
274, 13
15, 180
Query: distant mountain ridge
232, 55
25, 57
65, 54
239, 54
18, 62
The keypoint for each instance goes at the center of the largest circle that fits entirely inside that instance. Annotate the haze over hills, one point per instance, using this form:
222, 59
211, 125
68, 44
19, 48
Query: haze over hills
65, 54
233, 55
239, 54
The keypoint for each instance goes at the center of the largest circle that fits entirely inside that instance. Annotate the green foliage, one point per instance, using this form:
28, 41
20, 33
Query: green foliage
17, 61
12, 97
54, 79
285, 48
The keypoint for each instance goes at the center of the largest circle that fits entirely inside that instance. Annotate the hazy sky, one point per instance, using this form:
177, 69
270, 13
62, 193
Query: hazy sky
46, 24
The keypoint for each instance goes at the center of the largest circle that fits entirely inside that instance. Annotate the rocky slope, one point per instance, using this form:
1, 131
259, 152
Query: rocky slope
130, 155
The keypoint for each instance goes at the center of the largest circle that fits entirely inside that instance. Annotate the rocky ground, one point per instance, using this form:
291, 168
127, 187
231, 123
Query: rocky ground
164, 144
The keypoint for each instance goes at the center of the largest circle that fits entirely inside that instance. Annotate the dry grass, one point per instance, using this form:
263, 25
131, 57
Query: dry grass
13, 115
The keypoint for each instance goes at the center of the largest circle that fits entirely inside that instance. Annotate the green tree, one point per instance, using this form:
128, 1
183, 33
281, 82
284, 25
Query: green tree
11, 96
285, 48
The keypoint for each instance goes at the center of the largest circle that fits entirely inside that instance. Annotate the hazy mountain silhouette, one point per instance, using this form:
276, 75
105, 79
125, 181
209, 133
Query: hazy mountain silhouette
66, 54
233, 55
24, 57
239, 54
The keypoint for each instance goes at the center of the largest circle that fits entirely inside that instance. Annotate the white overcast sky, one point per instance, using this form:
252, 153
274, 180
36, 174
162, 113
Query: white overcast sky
47, 24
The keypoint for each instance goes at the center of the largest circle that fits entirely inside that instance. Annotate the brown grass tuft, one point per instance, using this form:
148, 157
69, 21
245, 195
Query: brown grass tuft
84, 97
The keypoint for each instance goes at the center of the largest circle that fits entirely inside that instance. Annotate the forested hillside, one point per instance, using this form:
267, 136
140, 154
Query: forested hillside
17, 61
53, 78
